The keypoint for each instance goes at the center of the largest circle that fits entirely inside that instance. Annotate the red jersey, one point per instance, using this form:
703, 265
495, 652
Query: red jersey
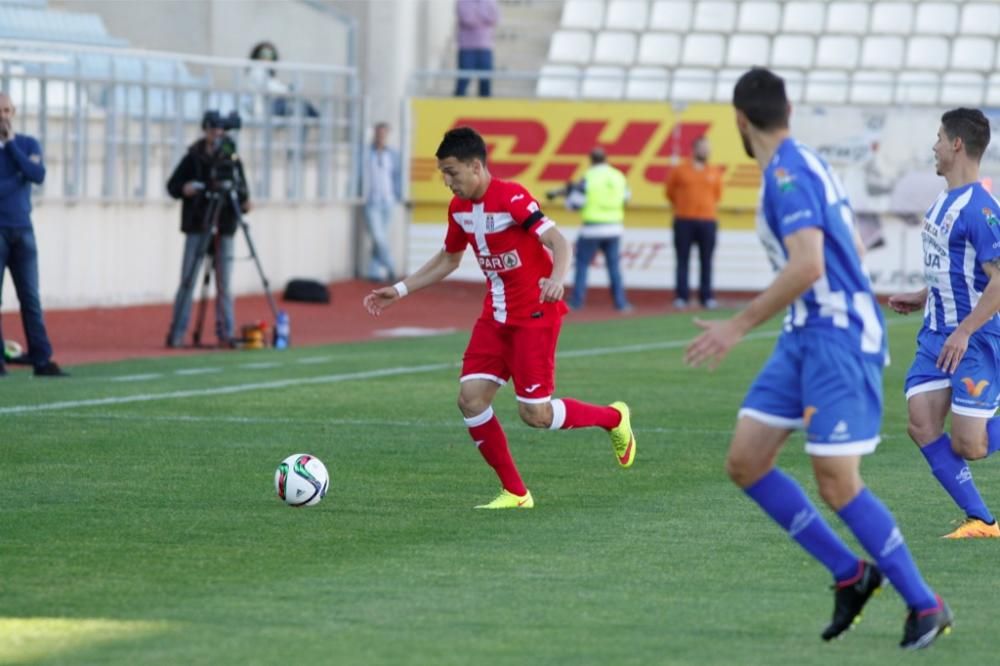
504, 228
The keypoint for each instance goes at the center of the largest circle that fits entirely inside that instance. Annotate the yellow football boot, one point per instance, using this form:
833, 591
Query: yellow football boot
508, 500
973, 528
622, 437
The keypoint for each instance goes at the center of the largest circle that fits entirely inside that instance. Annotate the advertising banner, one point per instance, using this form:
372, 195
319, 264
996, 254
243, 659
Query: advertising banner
883, 156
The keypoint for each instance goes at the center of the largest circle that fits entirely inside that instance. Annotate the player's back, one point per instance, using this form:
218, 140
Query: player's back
800, 190
961, 231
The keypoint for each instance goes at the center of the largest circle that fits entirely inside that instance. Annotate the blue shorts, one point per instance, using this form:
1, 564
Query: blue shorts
815, 383
975, 386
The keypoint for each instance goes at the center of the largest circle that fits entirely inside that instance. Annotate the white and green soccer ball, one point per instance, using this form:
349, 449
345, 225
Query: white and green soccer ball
301, 480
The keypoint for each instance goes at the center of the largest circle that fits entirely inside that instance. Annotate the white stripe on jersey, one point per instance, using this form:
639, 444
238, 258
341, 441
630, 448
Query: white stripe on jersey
943, 277
831, 184
478, 218
969, 270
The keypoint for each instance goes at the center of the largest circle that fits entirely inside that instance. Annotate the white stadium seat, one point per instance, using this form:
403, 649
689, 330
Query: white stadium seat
837, 51
748, 50
892, 18
558, 81
882, 53
627, 15
981, 18
570, 46
871, 87
975, 53
936, 18
759, 16
993, 90
648, 83
804, 17
584, 14
795, 83
715, 16
917, 87
603, 82
660, 48
672, 15
615, 48
827, 86
701, 50
692, 85
792, 51
962, 89
848, 17
725, 82
927, 53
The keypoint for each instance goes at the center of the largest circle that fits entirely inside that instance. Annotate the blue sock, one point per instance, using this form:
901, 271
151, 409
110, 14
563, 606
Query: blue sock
876, 529
783, 499
992, 436
953, 473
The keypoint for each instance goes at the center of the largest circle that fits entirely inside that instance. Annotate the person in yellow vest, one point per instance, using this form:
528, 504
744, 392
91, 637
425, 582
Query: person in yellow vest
694, 189
600, 197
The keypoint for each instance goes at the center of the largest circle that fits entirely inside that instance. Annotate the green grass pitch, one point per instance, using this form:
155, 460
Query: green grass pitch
138, 522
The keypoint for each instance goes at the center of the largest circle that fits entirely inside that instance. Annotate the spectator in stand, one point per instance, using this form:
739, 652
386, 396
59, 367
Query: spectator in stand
267, 83
694, 189
477, 19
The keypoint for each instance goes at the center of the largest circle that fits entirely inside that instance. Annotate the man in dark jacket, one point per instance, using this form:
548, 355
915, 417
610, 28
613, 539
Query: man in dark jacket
206, 174
20, 166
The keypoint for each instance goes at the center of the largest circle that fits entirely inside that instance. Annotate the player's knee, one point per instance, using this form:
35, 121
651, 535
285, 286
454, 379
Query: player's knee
969, 448
472, 405
921, 433
741, 470
534, 415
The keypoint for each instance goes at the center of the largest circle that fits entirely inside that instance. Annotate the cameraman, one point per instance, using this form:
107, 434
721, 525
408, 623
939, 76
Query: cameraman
209, 170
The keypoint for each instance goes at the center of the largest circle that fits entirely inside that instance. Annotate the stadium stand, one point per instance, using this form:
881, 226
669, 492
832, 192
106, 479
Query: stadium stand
830, 52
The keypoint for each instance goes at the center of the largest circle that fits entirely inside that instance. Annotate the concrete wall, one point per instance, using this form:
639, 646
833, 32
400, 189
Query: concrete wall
221, 27
95, 255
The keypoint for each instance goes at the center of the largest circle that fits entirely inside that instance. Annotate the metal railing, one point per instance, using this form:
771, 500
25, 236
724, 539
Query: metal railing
686, 86
114, 123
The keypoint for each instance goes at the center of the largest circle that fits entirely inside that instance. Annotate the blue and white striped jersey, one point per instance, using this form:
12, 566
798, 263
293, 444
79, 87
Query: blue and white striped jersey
800, 191
961, 232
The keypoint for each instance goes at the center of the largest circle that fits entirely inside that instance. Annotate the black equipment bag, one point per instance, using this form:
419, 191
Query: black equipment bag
306, 291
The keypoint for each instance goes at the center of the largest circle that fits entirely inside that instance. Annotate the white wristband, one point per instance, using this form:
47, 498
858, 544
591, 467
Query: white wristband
401, 288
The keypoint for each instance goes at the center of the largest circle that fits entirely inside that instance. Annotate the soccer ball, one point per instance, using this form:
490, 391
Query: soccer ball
301, 480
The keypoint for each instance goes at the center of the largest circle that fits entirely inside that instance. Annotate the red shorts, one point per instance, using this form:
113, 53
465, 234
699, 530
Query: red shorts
497, 352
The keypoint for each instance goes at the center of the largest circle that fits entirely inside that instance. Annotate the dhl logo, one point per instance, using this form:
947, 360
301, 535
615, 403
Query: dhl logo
516, 145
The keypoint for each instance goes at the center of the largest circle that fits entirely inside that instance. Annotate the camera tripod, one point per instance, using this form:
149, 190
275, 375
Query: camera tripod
218, 198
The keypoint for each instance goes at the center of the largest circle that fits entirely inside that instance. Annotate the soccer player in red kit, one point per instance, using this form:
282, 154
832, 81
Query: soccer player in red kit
524, 258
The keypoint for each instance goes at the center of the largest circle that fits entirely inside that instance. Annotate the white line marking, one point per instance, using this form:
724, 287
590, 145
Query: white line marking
310, 360
197, 371
332, 379
137, 378
260, 366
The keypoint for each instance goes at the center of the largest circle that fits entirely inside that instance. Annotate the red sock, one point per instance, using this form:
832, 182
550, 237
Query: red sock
569, 413
489, 437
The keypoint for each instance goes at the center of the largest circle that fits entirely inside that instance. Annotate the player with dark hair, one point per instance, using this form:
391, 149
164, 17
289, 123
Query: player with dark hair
958, 348
524, 258
824, 376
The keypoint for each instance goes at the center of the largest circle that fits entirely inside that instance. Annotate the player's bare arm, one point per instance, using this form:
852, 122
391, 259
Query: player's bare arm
437, 268
955, 346
908, 302
805, 266
551, 288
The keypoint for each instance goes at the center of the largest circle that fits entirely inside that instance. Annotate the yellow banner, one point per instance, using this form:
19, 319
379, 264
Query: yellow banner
544, 144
